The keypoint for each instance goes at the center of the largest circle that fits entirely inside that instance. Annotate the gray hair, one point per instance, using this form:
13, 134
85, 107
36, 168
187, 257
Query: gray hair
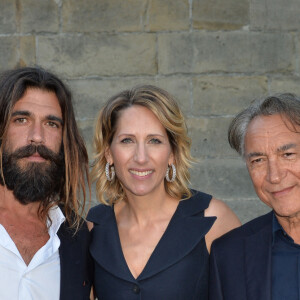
287, 105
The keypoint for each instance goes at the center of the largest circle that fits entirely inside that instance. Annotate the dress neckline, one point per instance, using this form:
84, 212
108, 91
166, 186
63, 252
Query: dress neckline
186, 229
155, 248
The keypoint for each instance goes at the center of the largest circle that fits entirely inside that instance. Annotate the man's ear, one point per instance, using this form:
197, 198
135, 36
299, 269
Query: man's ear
108, 156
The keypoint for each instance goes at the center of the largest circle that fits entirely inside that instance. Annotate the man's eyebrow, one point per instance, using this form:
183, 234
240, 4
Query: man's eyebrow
280, 149
155, 134
21, 113
54, 118
27, 114
286, 147
255, 154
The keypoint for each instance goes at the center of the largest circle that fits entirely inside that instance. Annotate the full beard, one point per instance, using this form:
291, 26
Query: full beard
33, 181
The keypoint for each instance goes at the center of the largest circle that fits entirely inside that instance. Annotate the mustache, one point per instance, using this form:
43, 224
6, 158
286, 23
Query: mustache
42, 150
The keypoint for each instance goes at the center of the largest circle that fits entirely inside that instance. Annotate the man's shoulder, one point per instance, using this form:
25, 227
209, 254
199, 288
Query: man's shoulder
251, 228
67, 232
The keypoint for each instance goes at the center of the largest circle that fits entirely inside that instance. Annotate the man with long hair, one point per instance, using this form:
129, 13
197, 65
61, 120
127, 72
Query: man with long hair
43, 172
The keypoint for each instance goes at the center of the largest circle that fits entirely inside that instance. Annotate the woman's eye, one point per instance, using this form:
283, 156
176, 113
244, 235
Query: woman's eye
126, 141
155, 141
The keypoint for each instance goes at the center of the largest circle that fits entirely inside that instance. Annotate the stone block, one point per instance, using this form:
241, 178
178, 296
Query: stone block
91, 94
8, 14
236, 51
248, 209
209, 137
27, 51
9, 49
167, 15
285, 85
179, 87
39, 16
98, 54
274, 15
16, 52
220, 14
223, 178
104, 15
225, 95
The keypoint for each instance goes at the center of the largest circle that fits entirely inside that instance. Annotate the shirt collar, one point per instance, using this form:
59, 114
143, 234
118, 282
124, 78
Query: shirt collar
275, 224
277, 231
57, 218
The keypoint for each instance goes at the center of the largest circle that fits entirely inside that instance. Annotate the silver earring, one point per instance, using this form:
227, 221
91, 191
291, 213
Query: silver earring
109, 178
173, 173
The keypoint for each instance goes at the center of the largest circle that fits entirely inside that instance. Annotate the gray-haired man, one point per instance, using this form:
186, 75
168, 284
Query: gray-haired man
261, 259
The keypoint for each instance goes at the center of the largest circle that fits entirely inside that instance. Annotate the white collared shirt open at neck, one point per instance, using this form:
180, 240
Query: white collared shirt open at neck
40, 280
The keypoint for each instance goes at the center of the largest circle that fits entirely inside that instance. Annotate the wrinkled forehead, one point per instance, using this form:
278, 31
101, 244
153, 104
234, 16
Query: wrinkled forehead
270, 131
38, 101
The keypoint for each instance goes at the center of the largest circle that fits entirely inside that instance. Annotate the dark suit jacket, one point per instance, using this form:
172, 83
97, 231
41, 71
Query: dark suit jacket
240, 262
76, 265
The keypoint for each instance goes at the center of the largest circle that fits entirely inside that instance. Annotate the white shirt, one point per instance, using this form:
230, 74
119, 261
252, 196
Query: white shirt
40, 280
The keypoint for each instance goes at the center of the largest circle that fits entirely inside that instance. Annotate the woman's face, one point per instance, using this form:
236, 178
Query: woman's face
140, 151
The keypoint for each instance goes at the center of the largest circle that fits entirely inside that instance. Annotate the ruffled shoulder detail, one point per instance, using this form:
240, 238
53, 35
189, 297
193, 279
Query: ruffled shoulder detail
99, 213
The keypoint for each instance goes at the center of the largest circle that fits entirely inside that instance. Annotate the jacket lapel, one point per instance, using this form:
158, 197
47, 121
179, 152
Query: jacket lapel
65, 251
258, 250
107, 252
69, 261
181, 237
187, 227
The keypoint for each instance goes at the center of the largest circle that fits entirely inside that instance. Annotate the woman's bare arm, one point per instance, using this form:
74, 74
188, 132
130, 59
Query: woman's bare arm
226, 220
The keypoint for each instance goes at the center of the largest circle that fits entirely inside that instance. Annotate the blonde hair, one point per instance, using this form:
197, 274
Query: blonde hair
165, 108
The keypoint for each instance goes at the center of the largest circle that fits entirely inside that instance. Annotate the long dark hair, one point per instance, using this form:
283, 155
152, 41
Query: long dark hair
13, 84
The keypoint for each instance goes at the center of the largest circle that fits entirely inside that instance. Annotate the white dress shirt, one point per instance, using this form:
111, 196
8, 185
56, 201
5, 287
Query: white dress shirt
40, 280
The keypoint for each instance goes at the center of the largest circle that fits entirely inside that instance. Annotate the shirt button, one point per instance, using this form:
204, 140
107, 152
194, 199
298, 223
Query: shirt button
136, 289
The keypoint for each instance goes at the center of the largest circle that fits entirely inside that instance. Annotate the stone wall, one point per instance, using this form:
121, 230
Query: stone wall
215, 56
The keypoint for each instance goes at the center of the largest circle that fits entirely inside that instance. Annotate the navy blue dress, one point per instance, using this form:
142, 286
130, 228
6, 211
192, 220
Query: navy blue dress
177, 268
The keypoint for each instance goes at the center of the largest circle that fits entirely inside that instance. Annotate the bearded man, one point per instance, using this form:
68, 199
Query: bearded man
44, 166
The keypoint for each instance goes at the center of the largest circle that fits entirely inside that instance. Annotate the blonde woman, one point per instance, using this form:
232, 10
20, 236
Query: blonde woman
151, 234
